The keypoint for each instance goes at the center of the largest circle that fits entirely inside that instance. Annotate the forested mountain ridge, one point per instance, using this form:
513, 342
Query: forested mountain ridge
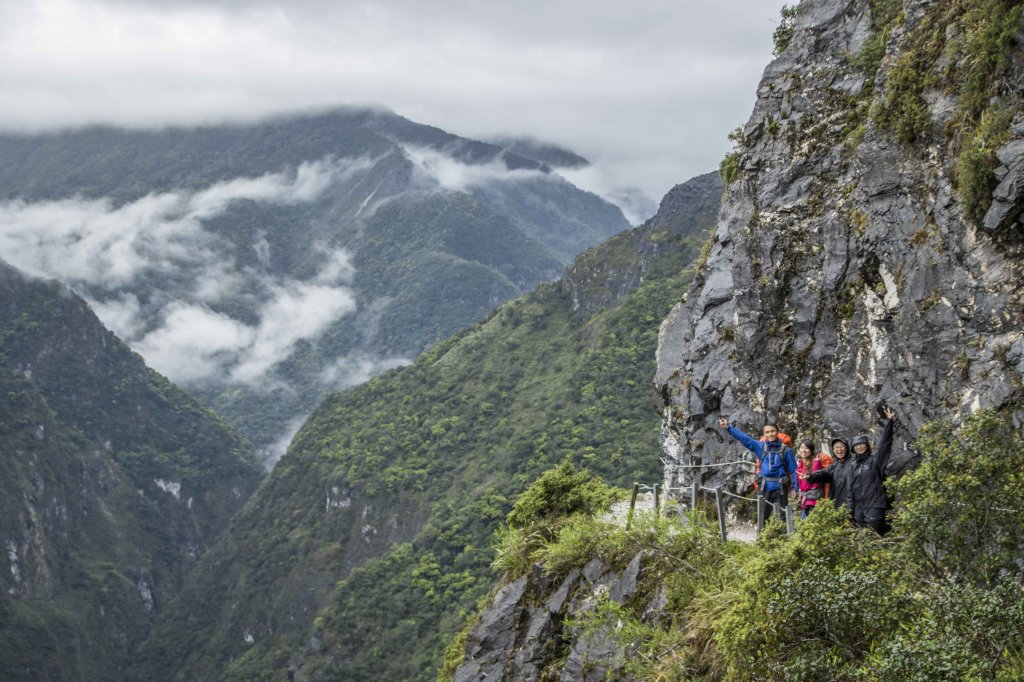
265, 265
115, 482
371, 536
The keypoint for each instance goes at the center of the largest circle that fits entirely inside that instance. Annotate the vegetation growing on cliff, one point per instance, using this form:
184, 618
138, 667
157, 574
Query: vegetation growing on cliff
114, 483
963, 48
941, 598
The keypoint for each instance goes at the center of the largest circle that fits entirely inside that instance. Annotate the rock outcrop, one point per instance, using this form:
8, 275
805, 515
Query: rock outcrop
532, 628
846, 271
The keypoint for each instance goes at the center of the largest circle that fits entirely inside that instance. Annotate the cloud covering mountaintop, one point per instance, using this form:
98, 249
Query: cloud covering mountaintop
646, 93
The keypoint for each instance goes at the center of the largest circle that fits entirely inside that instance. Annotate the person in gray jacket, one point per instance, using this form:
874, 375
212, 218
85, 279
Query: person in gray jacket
865, 497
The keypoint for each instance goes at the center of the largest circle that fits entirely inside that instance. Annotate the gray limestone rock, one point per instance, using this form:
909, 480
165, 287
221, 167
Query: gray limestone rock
1008, 196
492, 639
844, 275
594, 657
625, 587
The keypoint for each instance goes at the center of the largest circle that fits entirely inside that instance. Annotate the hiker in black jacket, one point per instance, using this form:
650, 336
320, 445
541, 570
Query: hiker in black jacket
866, 496
837, 474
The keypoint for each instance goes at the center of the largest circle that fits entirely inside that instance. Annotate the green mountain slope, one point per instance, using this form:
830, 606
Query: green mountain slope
371, 536
312, 250
114, 483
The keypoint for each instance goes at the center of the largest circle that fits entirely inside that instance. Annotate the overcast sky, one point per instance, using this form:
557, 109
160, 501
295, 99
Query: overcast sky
647, 90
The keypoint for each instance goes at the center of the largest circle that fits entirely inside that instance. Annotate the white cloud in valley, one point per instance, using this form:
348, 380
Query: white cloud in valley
196, 344
352, 371
91, 241
106, 251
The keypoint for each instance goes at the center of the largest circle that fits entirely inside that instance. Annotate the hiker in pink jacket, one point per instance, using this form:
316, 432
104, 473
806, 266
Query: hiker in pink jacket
806, 463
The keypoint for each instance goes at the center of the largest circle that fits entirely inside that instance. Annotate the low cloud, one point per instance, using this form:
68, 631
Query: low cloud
276, 450
108, 252
296, 312
194, 343
94, 243
635, 205
122, 315
337, 269
354, 370
455, 175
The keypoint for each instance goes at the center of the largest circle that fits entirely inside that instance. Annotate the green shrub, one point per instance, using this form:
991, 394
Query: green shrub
990, 30
783, 34
962, 632
975, 166
729, 168
807, 605
561, 492
961, 513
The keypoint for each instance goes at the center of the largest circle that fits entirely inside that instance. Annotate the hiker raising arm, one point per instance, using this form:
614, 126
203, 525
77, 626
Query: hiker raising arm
866, 496
776, 466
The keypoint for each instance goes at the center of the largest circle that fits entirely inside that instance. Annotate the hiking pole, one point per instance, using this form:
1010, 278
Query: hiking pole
720, 503
632, 504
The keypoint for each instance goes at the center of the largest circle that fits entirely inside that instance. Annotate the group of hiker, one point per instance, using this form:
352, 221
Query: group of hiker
851, 474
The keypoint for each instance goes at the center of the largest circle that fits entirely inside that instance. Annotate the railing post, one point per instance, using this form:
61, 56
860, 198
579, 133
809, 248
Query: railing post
720, 503
632, 504
760, 513
789, 519
657, 501
693, 494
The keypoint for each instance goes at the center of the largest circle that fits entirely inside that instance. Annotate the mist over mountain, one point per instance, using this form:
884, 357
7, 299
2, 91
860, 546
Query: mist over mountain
635, 205
550, 154
265, 265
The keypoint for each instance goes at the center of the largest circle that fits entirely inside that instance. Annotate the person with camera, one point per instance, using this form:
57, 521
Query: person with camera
776, 466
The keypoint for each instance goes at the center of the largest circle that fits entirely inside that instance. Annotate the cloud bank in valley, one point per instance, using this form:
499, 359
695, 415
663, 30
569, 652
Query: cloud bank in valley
112, 253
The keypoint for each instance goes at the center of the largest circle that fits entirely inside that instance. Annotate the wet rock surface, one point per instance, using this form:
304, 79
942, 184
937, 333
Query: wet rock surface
844, 275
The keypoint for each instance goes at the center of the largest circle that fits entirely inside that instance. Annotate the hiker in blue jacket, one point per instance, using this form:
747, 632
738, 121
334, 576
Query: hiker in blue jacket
776, 464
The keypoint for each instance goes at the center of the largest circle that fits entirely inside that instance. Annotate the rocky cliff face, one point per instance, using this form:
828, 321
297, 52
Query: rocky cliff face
527, 631
869, 252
